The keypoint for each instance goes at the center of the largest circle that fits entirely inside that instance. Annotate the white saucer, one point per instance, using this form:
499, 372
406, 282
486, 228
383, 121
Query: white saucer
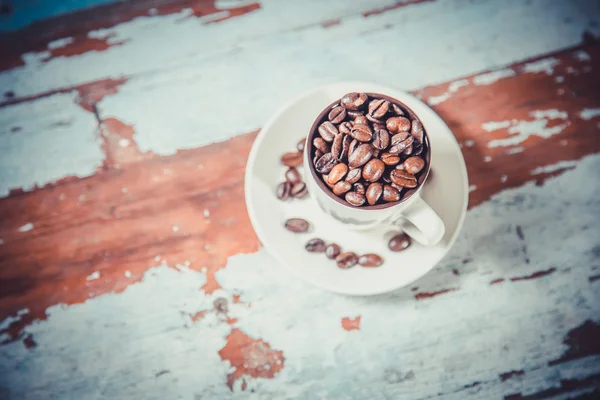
446, 191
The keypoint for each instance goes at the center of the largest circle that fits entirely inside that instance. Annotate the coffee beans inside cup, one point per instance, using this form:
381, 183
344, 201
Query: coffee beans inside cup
368, 150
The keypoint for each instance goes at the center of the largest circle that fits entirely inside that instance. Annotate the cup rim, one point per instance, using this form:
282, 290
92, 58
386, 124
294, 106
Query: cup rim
317, 178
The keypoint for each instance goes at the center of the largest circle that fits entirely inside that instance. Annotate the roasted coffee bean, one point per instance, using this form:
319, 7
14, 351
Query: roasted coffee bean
336, 146
346, 260
375, 120
373, 170
398, 124
341, 187
292, 175
337, 173
417, 148
353, 145
325, 163
397, 187
337, 115
327, 130
377, 126
320, 144
360, 120
319, 153
353, 101
408, 151
353, 113
378, 108
297, 225
283, 190
299, 190
359, 188
360, 156
374, 192
355, 199
400, 142
417, 131
381, 139
345, 147
326, 180
315, 245
345, 127
414, 165
370, 260
400, 167
332, 251
301, 144
389, 159
291, 159
354, 175
403, 178
399, 242
376, 152
361, 132
397, 110
390, 193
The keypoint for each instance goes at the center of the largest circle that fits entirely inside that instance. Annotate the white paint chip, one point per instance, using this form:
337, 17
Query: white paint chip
559, 79
472, 188
545, 65
519, 131
494, 76
495, 125
26, 228
206, 213
515, 150
487, 159
175, 228
157, 258
58, 43
589, 113
469, 143
582, 55
93, 276
127, 274
124, 142
124, 190
555, 167
503, 178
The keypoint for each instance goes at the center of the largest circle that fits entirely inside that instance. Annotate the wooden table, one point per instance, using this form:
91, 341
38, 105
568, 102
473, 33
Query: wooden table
128, 265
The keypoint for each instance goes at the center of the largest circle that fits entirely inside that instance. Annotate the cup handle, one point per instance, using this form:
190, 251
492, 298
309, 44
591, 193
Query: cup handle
421, 223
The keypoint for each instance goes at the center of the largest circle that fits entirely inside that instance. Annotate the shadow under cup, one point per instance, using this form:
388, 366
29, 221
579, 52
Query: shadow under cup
316, 177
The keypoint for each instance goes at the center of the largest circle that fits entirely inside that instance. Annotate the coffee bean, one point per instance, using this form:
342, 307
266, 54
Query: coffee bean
390, 193
375, 120
301, 144
283, 190
360, 120
373, 170
354, 175
398, 124
291, 159
353, 101
336, 147
337, 115
325, 163
292, 175
397, 187
332, 251
320, 144
326, 180
341, 187
299, 190
417, 131
345, 147
296, 225
397, 110
370, 260
315, 245
414, 165
345, 127
399, 242
400, 142
319, 153
355, 199
377, 126
353, 145
389, 159
337, 173
346, 260
327, 130
359, 188
361, 132
381, 139
408, 151
353, 113
374, 192
403, 178
417, 148
360, 156
378, 108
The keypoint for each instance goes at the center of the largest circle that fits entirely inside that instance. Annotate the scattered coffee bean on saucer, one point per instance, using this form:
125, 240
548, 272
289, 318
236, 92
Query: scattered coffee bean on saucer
370, 260
346, 260
399, 242
297, 225
315, 245
332, 251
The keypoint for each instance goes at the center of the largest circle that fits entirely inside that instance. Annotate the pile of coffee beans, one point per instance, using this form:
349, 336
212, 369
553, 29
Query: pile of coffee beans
369, 150
293, 186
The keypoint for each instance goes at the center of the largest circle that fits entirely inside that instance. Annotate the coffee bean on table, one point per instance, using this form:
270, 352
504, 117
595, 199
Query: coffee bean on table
337, 115
403, 178
381, 139
370, 260
360, 156
292, 175
373, 170
353, 101
346, 260
337, 173
315, 245
341, 187
291, 159
345, 127
389, 159
399, 242
297, 225
321, 145
414, 165
283, 190
299, 190
332, 250
359, 188
355, 199
327, 130
378, 108
354, 175
301, 144
360, 120
398, 124
325, 163
336, 147
390, 193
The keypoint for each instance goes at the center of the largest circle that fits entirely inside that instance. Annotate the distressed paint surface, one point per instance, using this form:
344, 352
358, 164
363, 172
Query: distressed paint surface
133, 278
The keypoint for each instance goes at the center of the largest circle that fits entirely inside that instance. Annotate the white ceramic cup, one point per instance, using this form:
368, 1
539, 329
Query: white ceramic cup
415, 217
